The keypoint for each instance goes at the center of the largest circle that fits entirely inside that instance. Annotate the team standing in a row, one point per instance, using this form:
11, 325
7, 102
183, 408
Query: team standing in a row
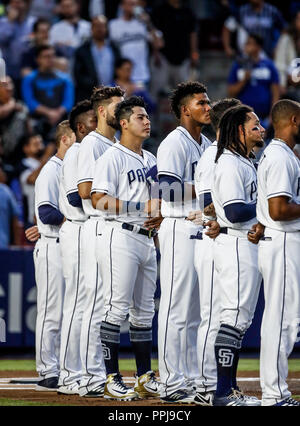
100, 205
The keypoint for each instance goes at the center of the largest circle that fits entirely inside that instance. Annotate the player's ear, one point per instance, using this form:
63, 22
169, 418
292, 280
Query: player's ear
124, 123
101, 110
63, 140
294, 120
185, 110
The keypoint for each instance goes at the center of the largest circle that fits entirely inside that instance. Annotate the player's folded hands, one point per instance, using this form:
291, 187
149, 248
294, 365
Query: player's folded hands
195, 216
213, 229
257, 231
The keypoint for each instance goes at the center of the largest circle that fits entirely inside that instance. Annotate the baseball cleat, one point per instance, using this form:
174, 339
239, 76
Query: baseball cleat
288, 402
117, 390
190, 387
97, 392
72, 389
204, 398
47, 385
179, 397
251, 401
146, 386
231, 400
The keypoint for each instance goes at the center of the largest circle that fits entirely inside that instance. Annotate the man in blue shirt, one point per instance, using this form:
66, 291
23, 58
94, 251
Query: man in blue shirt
8, 215
254, 80
49, 94
15, 26
254, 17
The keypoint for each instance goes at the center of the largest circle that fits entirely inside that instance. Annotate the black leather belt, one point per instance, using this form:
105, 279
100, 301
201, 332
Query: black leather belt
223, 230
149, 233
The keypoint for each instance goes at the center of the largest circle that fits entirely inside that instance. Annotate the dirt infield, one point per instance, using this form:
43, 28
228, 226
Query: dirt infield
248, 382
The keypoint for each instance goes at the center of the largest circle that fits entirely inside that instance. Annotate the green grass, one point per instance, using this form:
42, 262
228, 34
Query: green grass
129, 365
5, 402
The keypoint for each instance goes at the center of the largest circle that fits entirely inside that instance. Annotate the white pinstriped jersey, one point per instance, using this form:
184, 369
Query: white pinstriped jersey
91, 148
278, 175
234, 181
47, 192
205, 169
68, 184
121, 173
177, 156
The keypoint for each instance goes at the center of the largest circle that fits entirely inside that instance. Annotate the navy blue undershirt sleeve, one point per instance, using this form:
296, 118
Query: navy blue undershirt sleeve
207, 199
75, 199
176, 193
50, 215
240, 212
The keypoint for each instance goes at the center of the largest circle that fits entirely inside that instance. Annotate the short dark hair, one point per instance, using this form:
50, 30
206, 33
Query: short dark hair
42, 48
219, 107
229, 130
119, 63
257, 38
80, 108
26, 138
182, 92
38, 22
125, 108
102, 95
283, 110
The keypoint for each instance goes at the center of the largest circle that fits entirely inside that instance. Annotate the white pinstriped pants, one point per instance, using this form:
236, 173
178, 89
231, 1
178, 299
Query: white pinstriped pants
71, 239
236, 262
93, 367
50, 292
179, 310
279, 265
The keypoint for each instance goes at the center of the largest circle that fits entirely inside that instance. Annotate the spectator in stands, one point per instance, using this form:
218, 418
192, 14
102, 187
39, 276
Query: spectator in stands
123, 72
10, 227
255, 80
43, 9
71, 31
14, 28
49, 94
94, 60
131, 36
14, 122
256, 17
288, 48
40, 37
36, 156
178, 26
96, 8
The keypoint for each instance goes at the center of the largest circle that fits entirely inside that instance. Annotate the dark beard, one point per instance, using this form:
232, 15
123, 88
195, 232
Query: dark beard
112, 122
259, 144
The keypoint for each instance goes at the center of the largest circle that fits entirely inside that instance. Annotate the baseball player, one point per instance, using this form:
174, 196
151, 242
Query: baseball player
126, 251
234, 191
82, 121
204, 264
179, 314
104, 101
278, 210
47, 262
